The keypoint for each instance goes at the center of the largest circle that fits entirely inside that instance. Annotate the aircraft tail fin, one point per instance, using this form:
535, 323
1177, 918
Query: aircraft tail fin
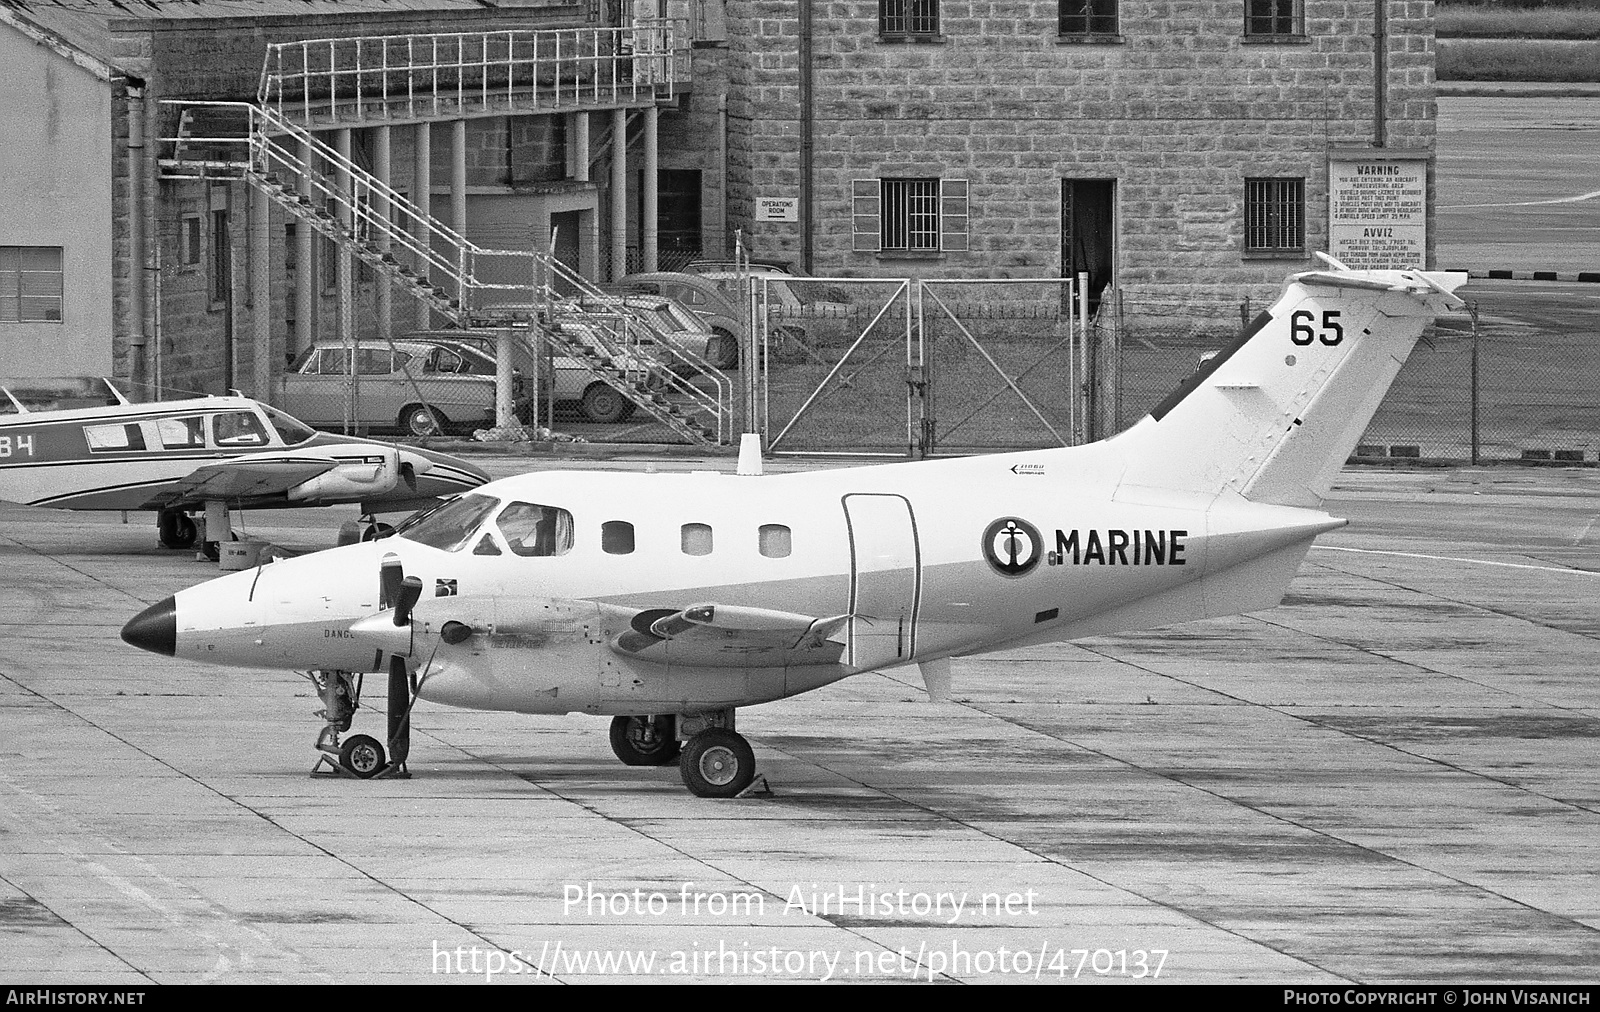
1275, 415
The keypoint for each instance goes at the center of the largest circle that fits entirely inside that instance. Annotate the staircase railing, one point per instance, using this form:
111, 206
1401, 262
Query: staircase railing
470, 285
446, 74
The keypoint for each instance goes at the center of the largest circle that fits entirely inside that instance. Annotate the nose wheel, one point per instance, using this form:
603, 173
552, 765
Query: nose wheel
361, 755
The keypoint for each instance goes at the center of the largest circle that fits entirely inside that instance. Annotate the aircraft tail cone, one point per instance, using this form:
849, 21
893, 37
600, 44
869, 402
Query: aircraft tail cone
155, 629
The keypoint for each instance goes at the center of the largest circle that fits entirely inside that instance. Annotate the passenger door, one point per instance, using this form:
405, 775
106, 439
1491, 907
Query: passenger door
885, 580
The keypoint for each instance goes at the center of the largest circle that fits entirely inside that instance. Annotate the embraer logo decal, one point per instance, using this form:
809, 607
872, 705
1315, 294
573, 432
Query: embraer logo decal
1012, 546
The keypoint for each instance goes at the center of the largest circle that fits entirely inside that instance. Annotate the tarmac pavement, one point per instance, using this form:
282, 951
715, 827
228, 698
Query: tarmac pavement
1389, 778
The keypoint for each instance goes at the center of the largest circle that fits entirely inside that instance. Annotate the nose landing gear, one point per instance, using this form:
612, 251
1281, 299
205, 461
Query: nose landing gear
362, 756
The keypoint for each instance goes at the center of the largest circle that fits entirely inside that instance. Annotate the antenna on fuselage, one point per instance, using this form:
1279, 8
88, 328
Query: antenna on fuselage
21, 410
749, 454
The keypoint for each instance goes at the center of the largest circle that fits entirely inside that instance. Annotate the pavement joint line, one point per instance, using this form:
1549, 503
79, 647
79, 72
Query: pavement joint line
1046, 858
264, 817
1263, 619
114, 954
1454, 558
1326, 834
72, 568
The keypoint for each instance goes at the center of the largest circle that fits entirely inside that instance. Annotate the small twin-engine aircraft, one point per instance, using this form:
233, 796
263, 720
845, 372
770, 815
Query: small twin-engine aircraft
210, 453
668, 601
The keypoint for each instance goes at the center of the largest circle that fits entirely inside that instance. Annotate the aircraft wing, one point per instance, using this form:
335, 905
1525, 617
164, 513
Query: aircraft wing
243, 478
716, 635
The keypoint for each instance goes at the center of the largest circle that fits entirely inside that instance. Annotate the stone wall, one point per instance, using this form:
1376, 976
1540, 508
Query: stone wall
1179, 111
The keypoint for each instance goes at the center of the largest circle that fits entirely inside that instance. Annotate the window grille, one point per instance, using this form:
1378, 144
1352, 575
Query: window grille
1273, 17
908, 18
1088, 17
31, 284
911, 214
1275, 215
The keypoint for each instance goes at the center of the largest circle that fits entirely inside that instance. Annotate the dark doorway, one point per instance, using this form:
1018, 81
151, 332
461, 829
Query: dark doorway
564, 225
1088, 228
678, 216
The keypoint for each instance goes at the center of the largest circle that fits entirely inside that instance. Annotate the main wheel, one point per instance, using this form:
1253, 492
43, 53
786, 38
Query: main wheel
723, 349
362, 755
421, 420
717, 764
375, 531
643, 741
175, 529
603, 404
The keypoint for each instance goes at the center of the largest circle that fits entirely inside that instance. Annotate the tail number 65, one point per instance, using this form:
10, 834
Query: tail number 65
1301, 331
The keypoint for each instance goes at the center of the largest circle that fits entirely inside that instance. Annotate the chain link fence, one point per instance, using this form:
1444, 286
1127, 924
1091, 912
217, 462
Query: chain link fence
1477, 388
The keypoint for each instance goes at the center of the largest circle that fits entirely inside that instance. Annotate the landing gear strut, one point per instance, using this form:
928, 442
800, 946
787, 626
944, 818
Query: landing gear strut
363, 756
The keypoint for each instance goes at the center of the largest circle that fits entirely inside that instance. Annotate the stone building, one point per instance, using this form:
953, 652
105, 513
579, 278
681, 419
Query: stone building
1177, 150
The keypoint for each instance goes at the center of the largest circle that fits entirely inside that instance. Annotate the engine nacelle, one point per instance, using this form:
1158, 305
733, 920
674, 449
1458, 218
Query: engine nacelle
375, 474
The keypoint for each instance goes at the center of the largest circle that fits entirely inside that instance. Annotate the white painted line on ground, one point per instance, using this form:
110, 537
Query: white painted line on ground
1527, 203
1454, 558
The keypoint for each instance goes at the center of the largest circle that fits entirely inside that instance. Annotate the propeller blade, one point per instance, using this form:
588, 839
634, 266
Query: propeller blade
410, 593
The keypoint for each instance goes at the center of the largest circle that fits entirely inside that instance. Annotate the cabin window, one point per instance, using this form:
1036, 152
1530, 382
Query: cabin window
181, 433
616, 537
451, 524
113, 437
534, 530
238, 428
696, 539
774, 540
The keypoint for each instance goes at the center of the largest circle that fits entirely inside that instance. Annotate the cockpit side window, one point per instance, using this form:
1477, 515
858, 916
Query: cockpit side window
450, 525
534, 530
238, 428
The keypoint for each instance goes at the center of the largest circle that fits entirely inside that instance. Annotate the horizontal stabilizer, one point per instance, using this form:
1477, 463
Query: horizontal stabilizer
715, 635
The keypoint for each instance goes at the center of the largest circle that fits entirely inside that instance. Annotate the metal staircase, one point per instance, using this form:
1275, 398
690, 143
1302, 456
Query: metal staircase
472, 287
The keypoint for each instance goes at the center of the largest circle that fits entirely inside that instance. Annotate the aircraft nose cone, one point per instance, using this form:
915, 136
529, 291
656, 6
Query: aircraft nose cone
155, 629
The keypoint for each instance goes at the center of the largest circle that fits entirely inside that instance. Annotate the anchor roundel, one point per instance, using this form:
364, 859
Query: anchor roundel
1012, 546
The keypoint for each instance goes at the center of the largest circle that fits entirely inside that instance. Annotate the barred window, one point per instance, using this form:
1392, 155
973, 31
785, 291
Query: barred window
904, 19
911, 214
221, 261
1088, 17
1274, 17
31, 284
1274, 215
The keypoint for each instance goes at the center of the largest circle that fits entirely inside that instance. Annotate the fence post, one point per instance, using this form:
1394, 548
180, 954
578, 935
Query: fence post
1472, 310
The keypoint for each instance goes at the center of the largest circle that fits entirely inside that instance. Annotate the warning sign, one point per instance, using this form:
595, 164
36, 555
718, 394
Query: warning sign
1378, 212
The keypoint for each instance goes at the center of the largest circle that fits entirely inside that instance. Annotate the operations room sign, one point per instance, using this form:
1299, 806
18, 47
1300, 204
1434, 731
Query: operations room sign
777, 209
1378, 211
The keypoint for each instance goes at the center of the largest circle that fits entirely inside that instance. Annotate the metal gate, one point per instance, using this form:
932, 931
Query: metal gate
917, 367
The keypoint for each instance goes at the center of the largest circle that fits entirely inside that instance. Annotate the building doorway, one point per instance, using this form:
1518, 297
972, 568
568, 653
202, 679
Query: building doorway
1088, 231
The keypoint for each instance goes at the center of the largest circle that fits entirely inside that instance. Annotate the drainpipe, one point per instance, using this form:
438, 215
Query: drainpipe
1380, 73
807, 139
138, 366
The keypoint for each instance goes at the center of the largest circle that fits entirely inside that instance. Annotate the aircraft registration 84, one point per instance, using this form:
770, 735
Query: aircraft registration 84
175, 458
668, 601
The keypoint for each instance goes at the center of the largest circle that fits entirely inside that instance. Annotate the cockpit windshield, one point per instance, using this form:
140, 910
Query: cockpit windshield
292, 431
449, 525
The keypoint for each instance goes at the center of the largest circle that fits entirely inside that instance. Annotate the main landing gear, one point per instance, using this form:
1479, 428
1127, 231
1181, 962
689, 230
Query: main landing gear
360, 755
714, 760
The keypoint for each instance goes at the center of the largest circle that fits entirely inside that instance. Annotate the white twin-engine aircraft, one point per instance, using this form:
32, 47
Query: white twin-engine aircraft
175, 458
670, 600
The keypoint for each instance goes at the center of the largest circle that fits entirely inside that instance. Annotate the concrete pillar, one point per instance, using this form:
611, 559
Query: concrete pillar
458, 192
619, 193
422, 196
258, 238
383, 169
647, 198
578, 146
345, 293
305, 275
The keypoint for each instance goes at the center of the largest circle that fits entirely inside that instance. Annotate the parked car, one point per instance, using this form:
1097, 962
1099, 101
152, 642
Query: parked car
572, 386
716, 306
418, 387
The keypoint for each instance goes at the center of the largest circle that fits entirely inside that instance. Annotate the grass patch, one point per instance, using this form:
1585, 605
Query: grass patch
1517, 60
1483, 22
